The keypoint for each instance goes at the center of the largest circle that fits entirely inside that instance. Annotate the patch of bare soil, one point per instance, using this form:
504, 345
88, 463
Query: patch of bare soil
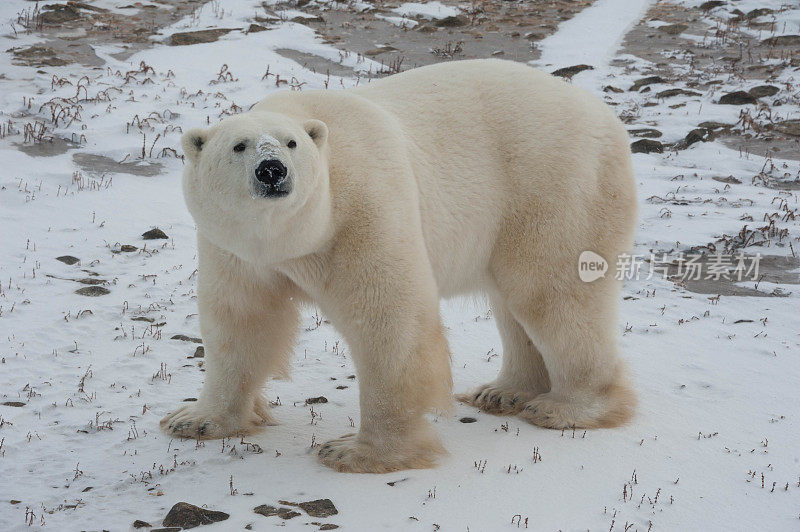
485, 28
72, 28
703, 48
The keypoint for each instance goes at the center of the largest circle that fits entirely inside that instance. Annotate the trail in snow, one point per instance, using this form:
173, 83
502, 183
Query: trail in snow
591, 37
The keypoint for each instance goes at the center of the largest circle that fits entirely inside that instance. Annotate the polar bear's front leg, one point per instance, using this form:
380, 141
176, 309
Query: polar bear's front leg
248, 327
391, 322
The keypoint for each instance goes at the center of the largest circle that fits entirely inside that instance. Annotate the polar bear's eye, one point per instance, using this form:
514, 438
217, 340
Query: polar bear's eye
239, 147
291, 144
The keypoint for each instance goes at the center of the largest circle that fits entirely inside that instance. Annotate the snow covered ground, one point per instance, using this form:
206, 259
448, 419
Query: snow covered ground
84, 380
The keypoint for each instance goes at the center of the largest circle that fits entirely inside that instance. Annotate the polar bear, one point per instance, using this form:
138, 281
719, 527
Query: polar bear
375, 202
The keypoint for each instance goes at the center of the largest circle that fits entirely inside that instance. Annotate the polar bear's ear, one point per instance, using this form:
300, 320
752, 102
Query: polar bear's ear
193, 141
317, 130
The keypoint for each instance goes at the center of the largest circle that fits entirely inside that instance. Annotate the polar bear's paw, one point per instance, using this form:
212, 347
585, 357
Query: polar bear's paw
348, 454
196, 421
494, 398
611, 408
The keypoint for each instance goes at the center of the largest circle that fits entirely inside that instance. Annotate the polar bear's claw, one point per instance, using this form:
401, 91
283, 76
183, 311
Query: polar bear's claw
497, 399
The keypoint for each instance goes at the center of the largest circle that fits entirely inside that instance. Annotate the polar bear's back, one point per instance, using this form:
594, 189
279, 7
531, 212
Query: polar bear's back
495, 140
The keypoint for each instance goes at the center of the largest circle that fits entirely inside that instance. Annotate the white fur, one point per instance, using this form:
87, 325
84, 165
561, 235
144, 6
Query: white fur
472, 176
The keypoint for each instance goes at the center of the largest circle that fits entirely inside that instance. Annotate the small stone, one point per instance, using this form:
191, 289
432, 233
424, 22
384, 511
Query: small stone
316, 400
69, 260
154, 234
341, 387
268, 511
645, 132
713, 125
647, 146
167, 529
697, 135
763, 91
143, 318
190, 400
755, 13
674, 29
187, 515
127, 248
197, 37
328, 526
254, 28
730, 180
16, 404
451, 22
676, 92
611, 88
468, 420
200, 352
568, 72
93, 291
184, 338
737, 98
711, 4
141, 524
315, 508
649, 80
90, 281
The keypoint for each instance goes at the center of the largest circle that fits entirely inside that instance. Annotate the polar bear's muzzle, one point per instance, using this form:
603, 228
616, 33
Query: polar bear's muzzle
271, 179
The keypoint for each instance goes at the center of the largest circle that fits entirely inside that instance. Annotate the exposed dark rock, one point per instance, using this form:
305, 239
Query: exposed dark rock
326, 526
730, 180
68, 259
59, 13
645, 132
342, 387
568, 72
190, 400
760, 12
141, 524
254, 28
143, 318
17, 404
711, 4
316, 400
647, 146
200, 352
187, 515
451, 22
713, 126
669, 93
763, 91
737, 98
697, 135
127, 248
611, 88
184, 338
93, 291
315, 508
91, 281
649, 80
154, 234
268, 511
197, 37
468, 420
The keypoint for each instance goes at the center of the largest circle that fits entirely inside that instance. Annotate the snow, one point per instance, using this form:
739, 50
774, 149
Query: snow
430, 10
718, 415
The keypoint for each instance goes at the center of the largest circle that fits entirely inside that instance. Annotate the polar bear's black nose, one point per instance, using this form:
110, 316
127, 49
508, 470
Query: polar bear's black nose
271, 172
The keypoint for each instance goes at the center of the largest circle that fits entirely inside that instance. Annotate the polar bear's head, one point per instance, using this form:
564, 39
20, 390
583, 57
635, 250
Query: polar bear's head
252, 178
